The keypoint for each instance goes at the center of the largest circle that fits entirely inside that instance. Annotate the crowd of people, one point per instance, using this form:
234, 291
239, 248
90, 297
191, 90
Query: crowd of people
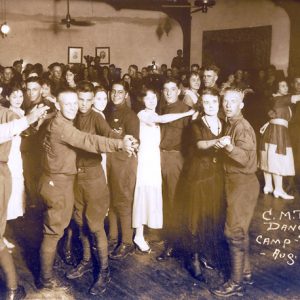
166, 148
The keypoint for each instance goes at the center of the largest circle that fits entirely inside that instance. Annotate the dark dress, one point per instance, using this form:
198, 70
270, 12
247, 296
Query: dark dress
204, 199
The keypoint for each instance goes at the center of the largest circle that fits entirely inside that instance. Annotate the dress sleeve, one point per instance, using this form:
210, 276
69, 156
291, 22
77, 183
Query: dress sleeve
10, 129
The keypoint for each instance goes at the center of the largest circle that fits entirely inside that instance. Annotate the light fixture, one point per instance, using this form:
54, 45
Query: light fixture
204, 4
4, 29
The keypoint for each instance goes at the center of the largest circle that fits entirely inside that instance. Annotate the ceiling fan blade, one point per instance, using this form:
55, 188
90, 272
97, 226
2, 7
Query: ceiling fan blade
175, 6
196, 10
82, 23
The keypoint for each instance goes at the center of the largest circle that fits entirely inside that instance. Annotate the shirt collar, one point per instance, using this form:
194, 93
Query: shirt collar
233, 120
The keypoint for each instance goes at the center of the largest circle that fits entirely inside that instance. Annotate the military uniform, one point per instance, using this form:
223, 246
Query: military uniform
56, 185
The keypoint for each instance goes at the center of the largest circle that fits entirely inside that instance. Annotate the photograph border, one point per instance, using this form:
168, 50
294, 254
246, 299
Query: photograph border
69, 56
108, 56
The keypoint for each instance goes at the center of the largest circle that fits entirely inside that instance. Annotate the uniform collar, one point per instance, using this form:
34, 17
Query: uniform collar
233, 120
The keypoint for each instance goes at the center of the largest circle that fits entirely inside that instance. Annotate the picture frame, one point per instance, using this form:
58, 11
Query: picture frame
75, 55
104, 54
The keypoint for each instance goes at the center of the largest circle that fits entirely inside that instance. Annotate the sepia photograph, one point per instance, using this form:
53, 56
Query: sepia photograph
104, 55
75, 55
150, 149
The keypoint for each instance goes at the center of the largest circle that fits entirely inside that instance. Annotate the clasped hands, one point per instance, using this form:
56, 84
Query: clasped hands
224, 141
130, 145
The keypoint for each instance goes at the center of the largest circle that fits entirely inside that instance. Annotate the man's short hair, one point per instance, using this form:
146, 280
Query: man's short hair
172, 79
85, 87
53, 65
134, 67
100, 88
35, 79
236, 90
123, 83
212, 68
195, 65
18, 62
65, 90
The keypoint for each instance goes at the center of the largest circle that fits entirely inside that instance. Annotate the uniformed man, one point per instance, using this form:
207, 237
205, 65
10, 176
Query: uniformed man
59, 170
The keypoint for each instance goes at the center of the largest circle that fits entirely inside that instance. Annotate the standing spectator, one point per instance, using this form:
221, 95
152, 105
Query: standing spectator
177, 61
210, 76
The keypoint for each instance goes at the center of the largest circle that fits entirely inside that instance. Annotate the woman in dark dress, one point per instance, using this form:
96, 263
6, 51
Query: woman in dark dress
203, 176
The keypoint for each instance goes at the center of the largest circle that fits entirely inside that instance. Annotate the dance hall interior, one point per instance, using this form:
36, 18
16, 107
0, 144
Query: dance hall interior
149, 149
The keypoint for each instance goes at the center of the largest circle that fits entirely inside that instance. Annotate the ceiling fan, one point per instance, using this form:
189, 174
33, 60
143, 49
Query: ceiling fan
199, 5
68, 21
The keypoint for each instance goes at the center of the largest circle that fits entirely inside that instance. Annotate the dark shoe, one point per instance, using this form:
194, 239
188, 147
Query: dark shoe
247, 279
229, 288
122, 251
69, 258
195, 268
82, 268
15, 294
50, 284
99, 286
166, 254
206, 264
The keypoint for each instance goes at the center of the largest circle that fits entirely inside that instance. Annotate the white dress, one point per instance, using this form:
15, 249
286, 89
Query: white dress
16, 203
147, 205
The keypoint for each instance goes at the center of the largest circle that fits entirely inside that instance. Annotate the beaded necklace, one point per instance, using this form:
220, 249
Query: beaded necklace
207, 124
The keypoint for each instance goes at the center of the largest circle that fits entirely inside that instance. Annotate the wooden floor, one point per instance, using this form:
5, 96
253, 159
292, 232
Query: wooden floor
142, 277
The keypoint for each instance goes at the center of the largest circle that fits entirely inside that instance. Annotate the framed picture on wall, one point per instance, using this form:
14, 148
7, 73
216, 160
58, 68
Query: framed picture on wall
75, 55
104, 54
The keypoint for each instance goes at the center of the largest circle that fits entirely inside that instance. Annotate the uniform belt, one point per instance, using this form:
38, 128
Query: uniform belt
86, 169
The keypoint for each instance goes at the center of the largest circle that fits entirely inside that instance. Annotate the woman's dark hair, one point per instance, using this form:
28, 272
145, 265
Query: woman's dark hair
206, 91
16, 86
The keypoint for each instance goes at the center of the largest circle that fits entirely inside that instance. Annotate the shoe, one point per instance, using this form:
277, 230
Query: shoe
247, 279
229, 288
8, 244
267, 190
283, 195
99, 286
138, 249
122, 251
166, 254
69, 258
82, 268
51, 284
206, 264
15, 294
195, 267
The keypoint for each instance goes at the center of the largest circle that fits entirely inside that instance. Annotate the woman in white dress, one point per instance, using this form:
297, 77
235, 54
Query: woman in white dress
17, 199
147, 205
